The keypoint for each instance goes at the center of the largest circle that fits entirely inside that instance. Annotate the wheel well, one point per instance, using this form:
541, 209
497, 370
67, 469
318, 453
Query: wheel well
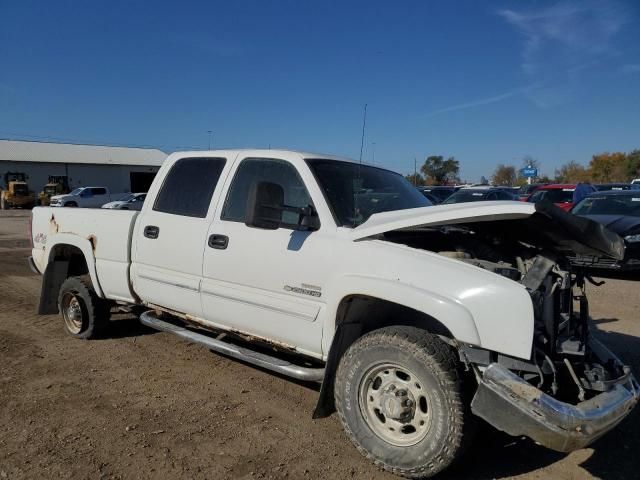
358, 315
373, 313
64, 261
73, 255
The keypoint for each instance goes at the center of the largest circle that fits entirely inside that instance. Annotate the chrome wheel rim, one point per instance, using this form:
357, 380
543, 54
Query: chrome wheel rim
395, 404
72, 312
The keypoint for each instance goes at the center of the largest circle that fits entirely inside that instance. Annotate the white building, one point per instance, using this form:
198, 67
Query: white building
121, 169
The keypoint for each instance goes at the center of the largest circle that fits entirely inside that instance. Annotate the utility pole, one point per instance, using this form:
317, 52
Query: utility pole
415, 172
364, 124
373, 153
209, 132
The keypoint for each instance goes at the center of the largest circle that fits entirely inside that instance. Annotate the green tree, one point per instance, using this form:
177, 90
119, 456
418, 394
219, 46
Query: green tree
609, 167
504, 175
438, 171
572, 172
415, 179
633, 164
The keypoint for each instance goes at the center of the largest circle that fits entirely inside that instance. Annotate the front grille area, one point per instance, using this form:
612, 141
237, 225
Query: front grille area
596, 262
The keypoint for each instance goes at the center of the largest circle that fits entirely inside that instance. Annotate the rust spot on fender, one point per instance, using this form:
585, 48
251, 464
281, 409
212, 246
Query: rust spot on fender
94, 242
53, 225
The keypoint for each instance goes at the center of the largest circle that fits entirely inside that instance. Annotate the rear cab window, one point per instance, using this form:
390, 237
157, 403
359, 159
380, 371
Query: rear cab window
188, 187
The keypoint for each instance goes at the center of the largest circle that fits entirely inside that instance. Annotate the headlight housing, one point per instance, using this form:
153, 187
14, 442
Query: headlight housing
633, 238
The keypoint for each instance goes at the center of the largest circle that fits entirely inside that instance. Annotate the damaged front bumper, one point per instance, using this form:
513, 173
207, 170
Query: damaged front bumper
518, 408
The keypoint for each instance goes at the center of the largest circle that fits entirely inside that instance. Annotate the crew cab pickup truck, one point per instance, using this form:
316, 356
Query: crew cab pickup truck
415, 319
89, 197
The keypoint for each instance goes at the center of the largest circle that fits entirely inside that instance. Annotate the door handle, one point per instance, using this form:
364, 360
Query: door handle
151, 231
219, 242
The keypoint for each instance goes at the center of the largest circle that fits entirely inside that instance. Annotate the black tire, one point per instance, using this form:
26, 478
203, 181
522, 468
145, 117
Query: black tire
434, 382
70, 204
90, 315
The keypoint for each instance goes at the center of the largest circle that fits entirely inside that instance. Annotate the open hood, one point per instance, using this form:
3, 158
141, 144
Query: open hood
542, 225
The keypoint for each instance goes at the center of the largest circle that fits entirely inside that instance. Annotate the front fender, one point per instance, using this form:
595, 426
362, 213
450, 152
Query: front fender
495, 315
452, 314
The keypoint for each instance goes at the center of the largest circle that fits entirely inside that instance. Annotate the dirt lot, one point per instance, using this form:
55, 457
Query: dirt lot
147, 405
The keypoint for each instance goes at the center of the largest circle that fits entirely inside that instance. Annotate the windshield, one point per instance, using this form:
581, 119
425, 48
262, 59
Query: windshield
76, 191
556, 195
50, 190
462, 196
355, 192
609, 205
20, 189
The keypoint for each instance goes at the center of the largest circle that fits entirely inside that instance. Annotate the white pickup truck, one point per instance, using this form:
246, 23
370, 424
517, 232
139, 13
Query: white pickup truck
415, 318
88, 197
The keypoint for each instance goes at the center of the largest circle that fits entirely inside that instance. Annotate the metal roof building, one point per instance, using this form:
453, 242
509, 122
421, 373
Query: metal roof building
121, 169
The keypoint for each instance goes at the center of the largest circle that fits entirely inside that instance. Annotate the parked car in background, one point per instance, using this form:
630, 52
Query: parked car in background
515, 191
88, 197
439, 193
603, 187
619, 211
478, 194
133, 201
562, 195
432, 198
525, 191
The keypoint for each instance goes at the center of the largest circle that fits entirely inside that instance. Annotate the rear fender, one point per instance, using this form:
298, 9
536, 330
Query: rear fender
85, 246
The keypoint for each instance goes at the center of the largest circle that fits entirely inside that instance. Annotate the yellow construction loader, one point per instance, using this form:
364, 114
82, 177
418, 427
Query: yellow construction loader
57, 185
16, 193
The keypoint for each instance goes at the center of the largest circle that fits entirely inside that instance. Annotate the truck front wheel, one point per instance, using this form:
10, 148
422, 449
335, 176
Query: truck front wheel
398, 393
85, 315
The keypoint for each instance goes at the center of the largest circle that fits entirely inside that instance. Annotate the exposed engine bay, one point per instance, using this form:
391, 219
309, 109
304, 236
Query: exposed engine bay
562, 363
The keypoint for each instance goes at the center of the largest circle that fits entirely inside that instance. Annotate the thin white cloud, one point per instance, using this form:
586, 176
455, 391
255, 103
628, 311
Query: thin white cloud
485, 100
568, 34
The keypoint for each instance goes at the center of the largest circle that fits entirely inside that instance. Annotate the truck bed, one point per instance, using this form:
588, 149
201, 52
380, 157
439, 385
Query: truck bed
104, 234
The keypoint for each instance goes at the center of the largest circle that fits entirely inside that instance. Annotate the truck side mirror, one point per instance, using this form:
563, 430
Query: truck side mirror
265, 205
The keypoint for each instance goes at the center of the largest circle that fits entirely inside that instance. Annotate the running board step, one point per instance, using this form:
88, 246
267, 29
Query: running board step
275, 364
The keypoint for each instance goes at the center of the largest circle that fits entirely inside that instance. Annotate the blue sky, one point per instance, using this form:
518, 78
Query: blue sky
488, 82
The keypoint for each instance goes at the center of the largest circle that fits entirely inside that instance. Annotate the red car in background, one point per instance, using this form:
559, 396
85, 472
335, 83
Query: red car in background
561, 194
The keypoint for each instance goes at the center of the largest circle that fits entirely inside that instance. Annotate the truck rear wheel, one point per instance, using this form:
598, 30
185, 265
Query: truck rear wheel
85, 315
398, 393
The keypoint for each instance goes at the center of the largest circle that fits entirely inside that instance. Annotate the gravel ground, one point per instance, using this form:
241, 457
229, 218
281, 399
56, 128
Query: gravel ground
141, 404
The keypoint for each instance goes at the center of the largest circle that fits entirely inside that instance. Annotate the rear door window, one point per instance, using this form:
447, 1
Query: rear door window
188, 187
98, 191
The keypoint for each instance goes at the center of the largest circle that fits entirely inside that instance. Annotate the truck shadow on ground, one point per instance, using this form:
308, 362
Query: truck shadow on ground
124, 325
